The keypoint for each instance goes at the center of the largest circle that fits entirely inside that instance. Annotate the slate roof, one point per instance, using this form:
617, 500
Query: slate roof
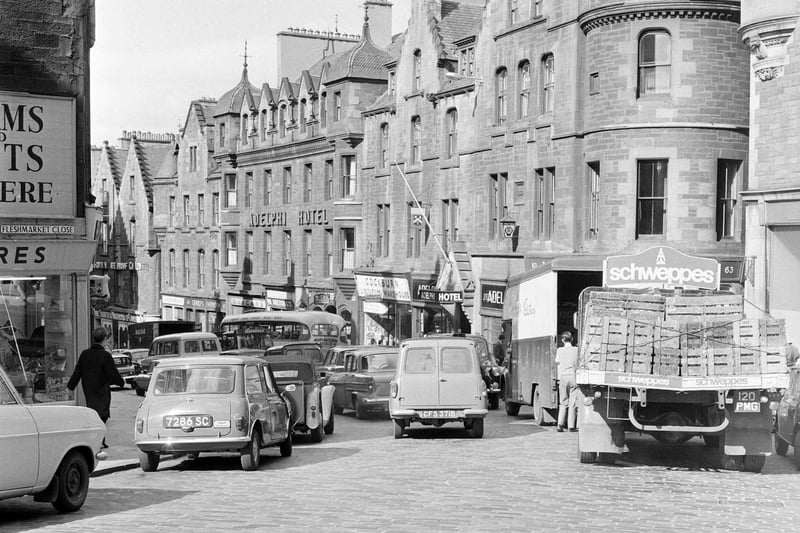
231, 101
115, 156
364, 61
150, 158
459, 20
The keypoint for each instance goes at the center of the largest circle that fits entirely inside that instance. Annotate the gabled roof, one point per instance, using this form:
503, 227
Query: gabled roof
231, 101
267, 98
364, 61
115, 156
202, 109
458, 20
150, 158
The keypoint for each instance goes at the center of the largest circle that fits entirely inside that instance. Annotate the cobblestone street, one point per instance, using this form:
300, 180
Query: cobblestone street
519, 477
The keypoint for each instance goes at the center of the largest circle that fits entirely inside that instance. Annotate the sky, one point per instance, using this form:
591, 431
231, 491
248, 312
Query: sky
151, 58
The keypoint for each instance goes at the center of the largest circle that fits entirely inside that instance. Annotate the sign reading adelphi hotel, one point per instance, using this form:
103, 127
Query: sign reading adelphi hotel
37, 156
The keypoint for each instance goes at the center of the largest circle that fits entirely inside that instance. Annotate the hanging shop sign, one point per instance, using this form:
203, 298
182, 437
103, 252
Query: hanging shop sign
383, 288
492, 296
426, 291
37, 164
323, 298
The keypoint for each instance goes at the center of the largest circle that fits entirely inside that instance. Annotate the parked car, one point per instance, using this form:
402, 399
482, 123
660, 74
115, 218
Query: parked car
301, 351
311, 400
787, 419
49, 450
438, 380
174, 345
136, 355
125, 366
334, 359
363, 384
212, 404
491, 371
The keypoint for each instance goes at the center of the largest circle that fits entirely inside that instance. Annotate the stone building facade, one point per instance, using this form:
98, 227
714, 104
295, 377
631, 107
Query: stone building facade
772, 195
46, 230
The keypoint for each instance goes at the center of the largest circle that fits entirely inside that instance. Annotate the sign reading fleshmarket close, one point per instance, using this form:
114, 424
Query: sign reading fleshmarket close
37, 160
661, 266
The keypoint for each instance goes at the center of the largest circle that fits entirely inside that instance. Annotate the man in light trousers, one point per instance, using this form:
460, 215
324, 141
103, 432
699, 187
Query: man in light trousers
567, 362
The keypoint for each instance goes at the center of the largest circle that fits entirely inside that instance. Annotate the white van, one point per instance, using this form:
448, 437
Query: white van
438, 380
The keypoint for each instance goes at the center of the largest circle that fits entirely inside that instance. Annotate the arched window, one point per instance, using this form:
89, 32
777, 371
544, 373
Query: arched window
172, 267
383, 148
416, 139
417, 71
548, 83
501, 96
282, 121
201, 268
524, 76
323, 110
451, 127
655, 50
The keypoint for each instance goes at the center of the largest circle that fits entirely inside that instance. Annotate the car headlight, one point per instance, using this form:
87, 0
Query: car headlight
139, 425
393, 389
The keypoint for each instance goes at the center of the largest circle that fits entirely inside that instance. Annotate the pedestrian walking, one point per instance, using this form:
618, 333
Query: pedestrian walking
499, 349
567, 362
97, 372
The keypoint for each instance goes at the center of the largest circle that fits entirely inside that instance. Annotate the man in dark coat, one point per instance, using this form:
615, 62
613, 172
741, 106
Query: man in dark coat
97, 372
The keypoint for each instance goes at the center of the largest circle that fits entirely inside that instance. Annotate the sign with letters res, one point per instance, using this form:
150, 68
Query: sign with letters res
37, 159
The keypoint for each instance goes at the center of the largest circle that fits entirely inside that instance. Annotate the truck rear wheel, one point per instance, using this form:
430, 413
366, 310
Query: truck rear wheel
607, 458
512, 408
754, 463
796, 445
588, 457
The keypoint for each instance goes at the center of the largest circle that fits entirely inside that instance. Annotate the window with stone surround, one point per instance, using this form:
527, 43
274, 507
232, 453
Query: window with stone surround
201, 209
727, 190
383, 146
651, 197
307, 252
593, 186
524, 76
250, 187
544, 203
655, 51
267, 186
383, 228
215, 269
201, 269
414, 233
417, 73
348, 176
230, 190
450, 216
187, 269
231, 249
172, 267
416, 139
267, 264
548, 83
501, 95
287, 185
329, 180
337, 106
287, 253
451, 129
498, 205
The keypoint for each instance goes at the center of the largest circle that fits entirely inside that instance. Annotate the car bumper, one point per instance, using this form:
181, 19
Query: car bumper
375, 404
189, 445
411, 415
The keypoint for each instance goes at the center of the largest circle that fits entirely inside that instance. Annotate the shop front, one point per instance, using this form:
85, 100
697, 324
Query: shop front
491, 309
385, 302
435, 310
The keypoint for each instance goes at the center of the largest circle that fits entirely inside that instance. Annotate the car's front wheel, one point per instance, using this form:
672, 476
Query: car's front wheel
250, 455
286, 446
148, 461
73, 483
329, 425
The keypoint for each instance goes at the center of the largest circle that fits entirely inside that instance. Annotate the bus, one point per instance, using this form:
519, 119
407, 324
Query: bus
253, 333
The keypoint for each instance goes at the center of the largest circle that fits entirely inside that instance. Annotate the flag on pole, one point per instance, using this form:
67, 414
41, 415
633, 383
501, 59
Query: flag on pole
417, 218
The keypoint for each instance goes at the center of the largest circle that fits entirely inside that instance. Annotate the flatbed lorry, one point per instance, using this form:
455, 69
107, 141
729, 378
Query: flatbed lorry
675, 363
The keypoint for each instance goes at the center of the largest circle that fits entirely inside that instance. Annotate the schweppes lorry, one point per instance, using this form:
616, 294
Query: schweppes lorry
664, 352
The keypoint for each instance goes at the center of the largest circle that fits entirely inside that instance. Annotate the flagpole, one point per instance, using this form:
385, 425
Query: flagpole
425, 218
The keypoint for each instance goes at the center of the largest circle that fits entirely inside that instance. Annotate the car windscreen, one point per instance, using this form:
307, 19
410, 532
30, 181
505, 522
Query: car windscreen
292, 372
194, 380
164, 348
383, 361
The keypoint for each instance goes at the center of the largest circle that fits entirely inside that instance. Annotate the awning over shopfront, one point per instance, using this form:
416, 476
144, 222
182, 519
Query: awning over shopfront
37, 257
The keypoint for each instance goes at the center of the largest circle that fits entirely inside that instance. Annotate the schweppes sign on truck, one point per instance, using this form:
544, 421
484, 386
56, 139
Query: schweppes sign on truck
663, 267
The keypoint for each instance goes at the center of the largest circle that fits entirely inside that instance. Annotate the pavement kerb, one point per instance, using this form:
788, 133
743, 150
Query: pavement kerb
109, 466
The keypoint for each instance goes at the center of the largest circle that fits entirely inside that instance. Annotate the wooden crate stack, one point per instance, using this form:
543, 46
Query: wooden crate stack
666, 348
761, 346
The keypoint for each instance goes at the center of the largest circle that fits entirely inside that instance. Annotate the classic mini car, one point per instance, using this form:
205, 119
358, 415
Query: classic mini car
787, 419
174, 345
438, 380
49, 451
363, 384
125, 366
491, 371
311, 401
212, 404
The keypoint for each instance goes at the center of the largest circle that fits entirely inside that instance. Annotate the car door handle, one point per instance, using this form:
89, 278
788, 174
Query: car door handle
443, 380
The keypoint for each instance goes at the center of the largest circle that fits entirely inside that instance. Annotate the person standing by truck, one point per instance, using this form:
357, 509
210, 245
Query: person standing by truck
567, 362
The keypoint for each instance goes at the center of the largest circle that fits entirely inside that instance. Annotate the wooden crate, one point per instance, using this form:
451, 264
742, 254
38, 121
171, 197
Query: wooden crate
612, 357
692, 336
640, 336
615, 331
773, 360
716, 307
747, 360
667, 362
719, 335
746, 332
694, 363
590, 358
639, 367
772, 332
721, 361
666, 335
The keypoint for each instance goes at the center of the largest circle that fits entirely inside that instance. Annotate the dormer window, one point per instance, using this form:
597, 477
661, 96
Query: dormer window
466, 61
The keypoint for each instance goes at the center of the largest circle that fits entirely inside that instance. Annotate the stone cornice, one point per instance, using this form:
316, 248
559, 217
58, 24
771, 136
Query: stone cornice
616, 13
284, 151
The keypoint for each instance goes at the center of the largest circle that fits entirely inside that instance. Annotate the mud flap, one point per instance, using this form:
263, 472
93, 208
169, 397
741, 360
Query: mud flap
599, 431
749, 433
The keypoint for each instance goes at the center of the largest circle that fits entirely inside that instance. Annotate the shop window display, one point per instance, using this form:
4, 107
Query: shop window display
37, 344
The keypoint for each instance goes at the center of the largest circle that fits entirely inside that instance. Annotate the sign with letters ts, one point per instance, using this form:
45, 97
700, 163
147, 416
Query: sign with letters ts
37, 155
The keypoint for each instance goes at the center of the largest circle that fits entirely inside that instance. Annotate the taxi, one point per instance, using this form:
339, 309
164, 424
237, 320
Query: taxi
217, 404
438, 381
49, 451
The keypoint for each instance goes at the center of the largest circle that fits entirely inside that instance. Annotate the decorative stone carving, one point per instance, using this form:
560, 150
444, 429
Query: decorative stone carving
767, 41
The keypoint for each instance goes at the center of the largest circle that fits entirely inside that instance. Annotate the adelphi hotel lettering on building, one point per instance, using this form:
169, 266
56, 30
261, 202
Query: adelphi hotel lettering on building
269, 219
